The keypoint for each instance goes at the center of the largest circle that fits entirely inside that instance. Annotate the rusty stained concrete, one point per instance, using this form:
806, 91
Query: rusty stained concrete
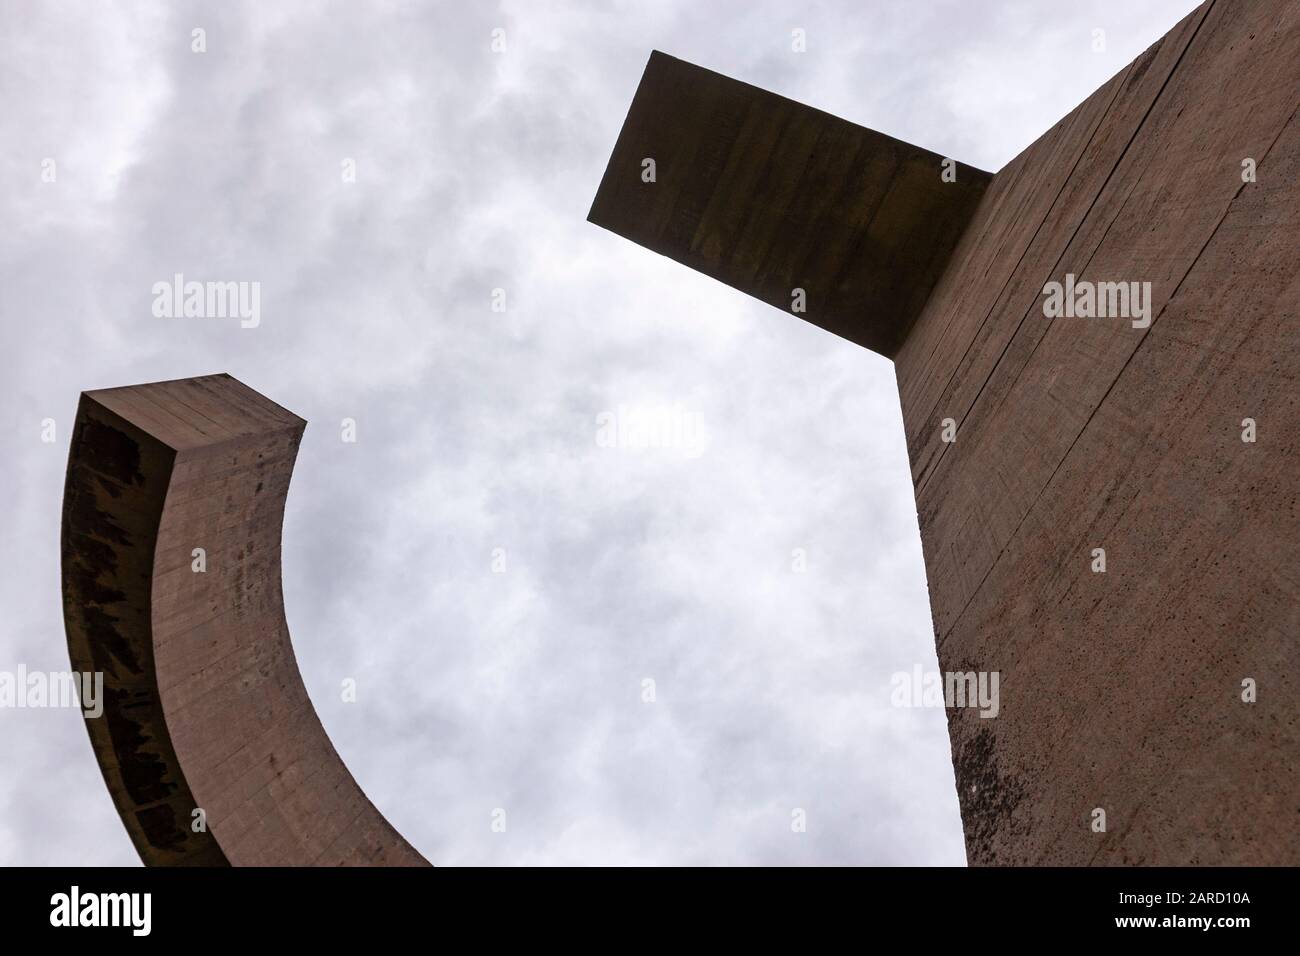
1120, 691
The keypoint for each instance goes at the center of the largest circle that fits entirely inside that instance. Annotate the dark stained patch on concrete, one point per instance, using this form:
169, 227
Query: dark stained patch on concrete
987, 795
110, 521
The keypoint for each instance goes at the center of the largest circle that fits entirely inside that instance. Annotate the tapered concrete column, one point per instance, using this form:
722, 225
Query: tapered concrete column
1107, 503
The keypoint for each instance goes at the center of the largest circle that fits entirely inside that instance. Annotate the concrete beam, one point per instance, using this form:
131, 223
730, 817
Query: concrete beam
769, 196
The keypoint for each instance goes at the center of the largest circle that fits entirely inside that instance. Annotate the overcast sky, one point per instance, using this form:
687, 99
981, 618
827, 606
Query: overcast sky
477, 430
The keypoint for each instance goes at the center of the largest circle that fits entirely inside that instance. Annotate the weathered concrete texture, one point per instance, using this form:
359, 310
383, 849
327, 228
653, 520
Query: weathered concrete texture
205, 705
768, 195
1120, 691
1123, 690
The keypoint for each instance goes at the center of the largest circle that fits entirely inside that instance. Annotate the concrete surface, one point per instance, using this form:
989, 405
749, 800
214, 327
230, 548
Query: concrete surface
204, 704
769, 195
1120, 691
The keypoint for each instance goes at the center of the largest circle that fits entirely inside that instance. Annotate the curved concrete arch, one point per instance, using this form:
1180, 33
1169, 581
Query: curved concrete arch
204, 706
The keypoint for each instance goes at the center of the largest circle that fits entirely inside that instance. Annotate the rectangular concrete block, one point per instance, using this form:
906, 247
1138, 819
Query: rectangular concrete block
771, 196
